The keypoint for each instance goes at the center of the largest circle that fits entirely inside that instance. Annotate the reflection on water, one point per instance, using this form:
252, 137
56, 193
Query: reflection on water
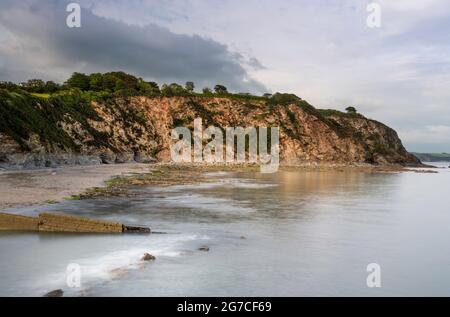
289, 233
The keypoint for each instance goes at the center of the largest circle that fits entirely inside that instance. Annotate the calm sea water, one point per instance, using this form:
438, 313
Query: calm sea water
283, 234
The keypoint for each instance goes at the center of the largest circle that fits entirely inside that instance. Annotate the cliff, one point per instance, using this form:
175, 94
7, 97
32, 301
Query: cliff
73, 128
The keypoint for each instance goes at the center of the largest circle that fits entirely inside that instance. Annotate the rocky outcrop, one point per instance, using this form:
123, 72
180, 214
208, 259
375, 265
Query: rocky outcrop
148, 257
204, 248
55, 293
139, 129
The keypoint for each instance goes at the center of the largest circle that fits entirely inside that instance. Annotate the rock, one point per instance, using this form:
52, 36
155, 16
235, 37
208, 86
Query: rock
124, 157
134, 229
204, 248
142, 157
108, 157
148, 257
55, 293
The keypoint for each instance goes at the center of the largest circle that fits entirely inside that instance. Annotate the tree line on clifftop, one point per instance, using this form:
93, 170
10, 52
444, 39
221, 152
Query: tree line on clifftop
101, 87
118, 83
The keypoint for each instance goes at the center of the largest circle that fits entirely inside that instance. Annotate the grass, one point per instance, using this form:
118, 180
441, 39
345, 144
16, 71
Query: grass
43, 96
73, 197
337, 113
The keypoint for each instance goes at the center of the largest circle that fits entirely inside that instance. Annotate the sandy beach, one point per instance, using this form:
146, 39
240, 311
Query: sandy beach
24, 188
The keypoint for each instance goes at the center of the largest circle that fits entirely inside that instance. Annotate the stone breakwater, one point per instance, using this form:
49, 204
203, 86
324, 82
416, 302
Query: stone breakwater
47, 222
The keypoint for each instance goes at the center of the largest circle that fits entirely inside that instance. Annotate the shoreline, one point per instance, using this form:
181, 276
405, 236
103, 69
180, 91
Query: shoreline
23, 188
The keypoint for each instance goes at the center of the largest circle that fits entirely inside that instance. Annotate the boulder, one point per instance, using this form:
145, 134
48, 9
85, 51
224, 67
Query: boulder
135, 229
142, 157
108, 157
124, 157
148, 257
55, 293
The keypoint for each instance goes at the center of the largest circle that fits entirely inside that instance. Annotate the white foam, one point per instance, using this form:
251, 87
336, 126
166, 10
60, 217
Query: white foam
116, 264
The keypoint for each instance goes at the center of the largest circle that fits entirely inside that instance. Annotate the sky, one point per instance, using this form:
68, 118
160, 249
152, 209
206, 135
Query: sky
322, 50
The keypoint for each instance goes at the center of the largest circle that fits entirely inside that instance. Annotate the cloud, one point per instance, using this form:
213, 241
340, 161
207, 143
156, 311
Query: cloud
426, 138
320, 50
38, 43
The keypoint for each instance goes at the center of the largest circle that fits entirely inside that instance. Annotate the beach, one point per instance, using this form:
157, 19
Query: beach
30, 187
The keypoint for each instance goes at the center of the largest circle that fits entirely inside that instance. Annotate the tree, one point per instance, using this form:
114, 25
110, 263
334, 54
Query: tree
126, 81
8, 85
34, 85
207, 91
220, 90
79, 80
172, 90
189, 87
109, 82
96, 81
148, 88
51, 87
351, 110
120, 84
154, 88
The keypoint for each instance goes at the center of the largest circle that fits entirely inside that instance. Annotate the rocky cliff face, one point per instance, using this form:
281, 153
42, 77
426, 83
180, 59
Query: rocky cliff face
139, 128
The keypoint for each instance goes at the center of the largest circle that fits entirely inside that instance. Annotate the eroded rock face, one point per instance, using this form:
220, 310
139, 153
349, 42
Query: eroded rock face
139, 129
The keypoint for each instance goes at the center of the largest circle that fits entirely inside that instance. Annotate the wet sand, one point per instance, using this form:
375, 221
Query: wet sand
24, 188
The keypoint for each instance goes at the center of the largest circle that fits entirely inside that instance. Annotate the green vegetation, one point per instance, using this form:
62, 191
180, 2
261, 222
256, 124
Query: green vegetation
43, 95
39, 86
221, 90
23, 114
114, 84
207, 91
337, 113
351, 110
189, 87
73, 197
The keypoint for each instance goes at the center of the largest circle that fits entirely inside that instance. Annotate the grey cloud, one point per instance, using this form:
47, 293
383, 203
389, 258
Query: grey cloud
152, 52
